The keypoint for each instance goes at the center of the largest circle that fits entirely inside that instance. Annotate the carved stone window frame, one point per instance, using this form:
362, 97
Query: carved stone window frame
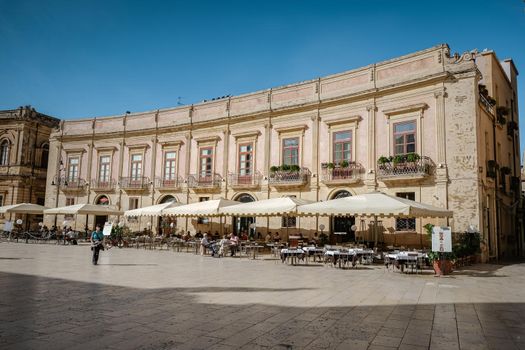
404, 114
343, 124
246, 138
289, 132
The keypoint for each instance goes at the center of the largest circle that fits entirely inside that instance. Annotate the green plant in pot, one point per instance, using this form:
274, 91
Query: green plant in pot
295, 168
285, 167
344, 164
398, 159
412, 157
330, 166
382, 161
274, 169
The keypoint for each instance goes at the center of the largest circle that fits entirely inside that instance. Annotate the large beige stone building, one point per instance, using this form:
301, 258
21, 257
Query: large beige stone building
429, 126
24, 153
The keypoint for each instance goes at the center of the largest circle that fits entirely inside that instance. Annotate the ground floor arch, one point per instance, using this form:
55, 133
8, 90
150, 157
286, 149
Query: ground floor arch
341, 226
100, 220
166, 225
242, 225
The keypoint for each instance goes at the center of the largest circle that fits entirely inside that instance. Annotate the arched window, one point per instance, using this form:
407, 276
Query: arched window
342, 194
102, 200
167, 199
4, 153
45, 156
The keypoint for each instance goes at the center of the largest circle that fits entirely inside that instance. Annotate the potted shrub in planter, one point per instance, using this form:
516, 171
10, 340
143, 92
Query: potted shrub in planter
383, 161
344, 164
274, 169
412, 157
330, 166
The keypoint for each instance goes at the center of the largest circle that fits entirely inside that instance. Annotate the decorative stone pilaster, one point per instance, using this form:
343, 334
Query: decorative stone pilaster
370, 179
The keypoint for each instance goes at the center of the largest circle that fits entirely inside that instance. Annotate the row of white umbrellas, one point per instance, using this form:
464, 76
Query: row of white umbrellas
370, 204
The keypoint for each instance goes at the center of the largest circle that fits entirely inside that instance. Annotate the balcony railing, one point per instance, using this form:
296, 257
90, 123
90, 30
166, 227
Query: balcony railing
485, 103
420, 168
134, 183
244, 180
168, 184
70, 184
204, 181
103, 185
289, 177
351, 174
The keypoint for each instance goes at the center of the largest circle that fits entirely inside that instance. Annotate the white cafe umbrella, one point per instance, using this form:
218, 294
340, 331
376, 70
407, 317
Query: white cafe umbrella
152, 210
266, 207
373, 204
83, 209
206, 208
22, 208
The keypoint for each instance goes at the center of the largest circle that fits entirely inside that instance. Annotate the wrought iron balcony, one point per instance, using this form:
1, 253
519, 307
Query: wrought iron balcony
339, 175
204, 181
168, 184
486, 103
103, 185
134, 183
245, 181
69, 184
418, 169
289, 178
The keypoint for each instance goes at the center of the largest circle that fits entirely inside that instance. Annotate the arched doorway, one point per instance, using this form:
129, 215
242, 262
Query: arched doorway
341, 225
242, 225
164, 224
101, 219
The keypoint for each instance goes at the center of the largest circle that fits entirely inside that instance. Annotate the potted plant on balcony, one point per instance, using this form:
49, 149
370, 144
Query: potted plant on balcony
412, 157
274, 169
295, 168
344, 164
398, 159
284, 167
383, 161
330, 166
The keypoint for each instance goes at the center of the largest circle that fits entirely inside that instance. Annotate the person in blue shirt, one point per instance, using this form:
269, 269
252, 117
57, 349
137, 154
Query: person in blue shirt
97, 240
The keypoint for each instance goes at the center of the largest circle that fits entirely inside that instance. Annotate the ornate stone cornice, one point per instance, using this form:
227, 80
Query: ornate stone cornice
405, 109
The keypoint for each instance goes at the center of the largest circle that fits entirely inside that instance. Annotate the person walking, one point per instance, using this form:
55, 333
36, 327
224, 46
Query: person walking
97, 243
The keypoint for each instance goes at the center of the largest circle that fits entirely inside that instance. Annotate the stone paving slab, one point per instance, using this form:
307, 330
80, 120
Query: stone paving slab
53, 298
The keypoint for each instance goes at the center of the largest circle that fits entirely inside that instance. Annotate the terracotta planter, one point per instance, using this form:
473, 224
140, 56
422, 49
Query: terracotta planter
442, 267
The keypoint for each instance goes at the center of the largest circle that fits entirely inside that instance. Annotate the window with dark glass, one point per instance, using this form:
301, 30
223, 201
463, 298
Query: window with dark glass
45, 156
4, 153
133, 203
291, 151
406, 224
104, 168
136, 167
72, 169
245, 159
404, 137
206, 162
342, 146
170, 166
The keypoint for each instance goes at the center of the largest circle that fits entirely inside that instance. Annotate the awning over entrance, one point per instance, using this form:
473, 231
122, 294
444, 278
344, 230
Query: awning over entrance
373, 204
266, 207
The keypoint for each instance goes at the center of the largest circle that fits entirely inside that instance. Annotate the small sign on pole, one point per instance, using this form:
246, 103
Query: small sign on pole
441, 239
107, 229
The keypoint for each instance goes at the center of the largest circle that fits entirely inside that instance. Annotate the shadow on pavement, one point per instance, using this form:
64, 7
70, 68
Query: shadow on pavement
46, 313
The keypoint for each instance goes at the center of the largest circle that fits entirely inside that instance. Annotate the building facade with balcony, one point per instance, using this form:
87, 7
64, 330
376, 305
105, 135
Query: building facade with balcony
24, 154
415, 126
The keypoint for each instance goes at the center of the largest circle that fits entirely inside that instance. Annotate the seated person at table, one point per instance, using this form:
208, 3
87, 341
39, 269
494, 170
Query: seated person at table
244, 236
313, 240
205, 244
198, 234
268, 237
276, 237
223, 245
234, 244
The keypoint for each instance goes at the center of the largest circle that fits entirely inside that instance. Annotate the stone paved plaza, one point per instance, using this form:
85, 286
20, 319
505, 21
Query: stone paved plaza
53, 298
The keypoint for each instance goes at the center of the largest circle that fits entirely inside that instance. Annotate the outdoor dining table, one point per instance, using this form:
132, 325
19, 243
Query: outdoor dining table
404, 258
314, 252
339, 256
292, 255
252, 247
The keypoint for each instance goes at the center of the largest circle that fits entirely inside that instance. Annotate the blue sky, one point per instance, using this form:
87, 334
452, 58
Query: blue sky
86, 58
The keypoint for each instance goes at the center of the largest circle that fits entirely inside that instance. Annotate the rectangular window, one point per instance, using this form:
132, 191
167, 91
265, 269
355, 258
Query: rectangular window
133, 203
200, 219
136, 167
406, 224
104, 168
245, 159
291, 151
170, 166
72, 169
342, 145
206, 163
404, 137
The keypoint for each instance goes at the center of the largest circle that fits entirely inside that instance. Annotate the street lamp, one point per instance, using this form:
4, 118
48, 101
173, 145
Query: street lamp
57, 181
